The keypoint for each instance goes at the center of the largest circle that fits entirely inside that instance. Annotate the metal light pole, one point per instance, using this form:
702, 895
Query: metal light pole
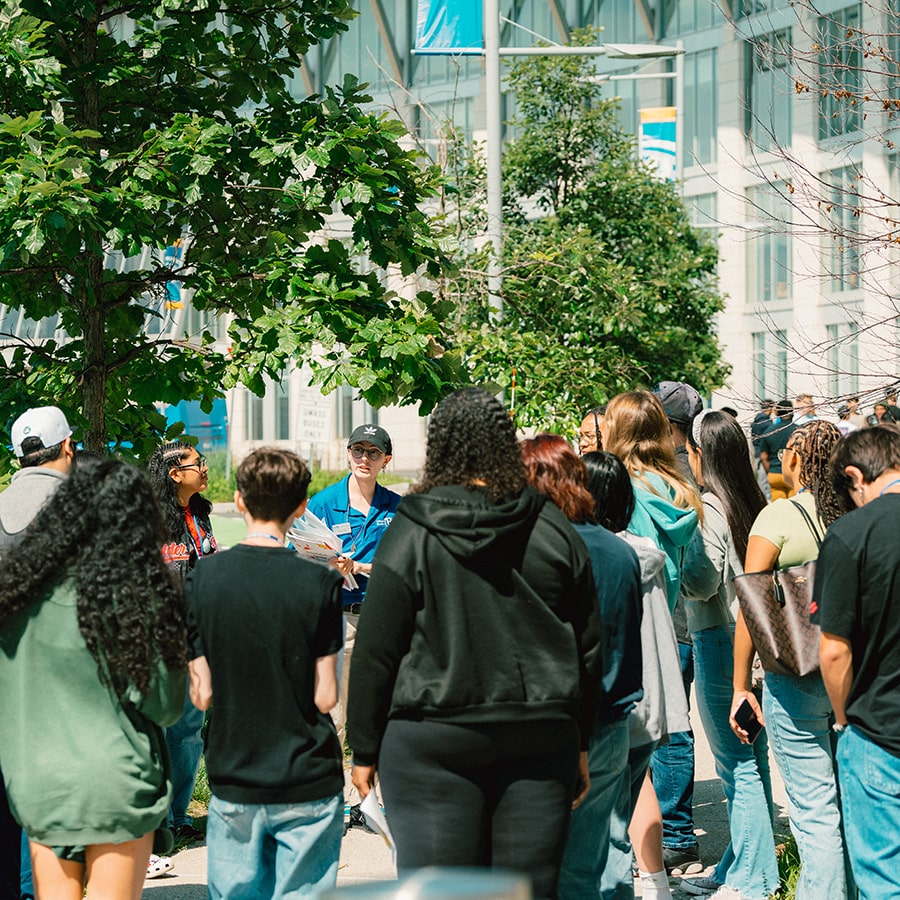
493, 106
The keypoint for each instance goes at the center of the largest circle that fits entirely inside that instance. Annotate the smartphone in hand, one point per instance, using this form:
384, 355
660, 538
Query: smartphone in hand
746, 718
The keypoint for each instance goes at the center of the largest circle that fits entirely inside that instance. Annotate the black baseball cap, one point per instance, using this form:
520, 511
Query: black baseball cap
374, 435
680, 401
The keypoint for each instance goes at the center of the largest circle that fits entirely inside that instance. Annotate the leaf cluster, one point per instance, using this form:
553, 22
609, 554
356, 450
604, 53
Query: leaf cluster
151, 151
611, 288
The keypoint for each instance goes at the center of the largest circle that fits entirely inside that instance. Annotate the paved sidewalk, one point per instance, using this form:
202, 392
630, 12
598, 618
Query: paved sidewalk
364, 857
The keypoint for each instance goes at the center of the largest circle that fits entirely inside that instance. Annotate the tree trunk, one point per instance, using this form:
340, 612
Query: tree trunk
93, 389
93, 307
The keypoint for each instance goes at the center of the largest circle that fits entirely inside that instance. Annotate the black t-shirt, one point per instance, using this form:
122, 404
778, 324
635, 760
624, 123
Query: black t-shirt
262, 617
856, 596
774, 441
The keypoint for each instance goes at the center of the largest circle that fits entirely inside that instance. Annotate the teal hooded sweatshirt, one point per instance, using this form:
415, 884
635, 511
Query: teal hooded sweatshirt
669, 526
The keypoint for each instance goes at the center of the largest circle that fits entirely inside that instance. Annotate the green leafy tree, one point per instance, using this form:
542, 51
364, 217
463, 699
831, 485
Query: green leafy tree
146, 146
608, 289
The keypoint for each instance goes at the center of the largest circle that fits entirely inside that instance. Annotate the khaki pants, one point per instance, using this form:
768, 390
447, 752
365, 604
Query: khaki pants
779, 487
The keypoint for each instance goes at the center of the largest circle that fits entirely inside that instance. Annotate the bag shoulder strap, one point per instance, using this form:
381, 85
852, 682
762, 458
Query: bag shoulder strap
809, 522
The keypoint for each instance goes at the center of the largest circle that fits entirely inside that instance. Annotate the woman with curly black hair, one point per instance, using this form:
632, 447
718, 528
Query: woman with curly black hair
92, 664
796, 710
475, 672
178, 475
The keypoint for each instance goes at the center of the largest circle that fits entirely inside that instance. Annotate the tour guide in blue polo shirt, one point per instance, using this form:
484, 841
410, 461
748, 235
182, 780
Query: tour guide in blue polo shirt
358, 510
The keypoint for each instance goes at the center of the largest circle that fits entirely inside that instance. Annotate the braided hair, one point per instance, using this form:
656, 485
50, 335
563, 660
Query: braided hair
815, 442
472, 440
102, 528
163, 460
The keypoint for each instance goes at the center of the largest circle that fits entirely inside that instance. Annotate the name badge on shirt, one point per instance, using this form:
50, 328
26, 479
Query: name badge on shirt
341, 528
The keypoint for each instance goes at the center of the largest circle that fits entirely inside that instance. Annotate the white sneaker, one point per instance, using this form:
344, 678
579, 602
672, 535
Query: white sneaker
159, 865
700, 887
726, 893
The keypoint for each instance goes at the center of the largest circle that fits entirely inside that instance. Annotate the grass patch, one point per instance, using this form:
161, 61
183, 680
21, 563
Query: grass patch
229, 530
788, 868
201, 785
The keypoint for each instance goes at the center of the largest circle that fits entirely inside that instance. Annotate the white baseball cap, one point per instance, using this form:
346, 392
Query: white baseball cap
45, 422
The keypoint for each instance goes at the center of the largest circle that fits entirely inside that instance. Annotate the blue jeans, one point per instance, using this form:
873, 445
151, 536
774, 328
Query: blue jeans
743, 770
617, 880
587, 848
870, 795
275, 850
185, 748
26, 878
672, 768
798, 720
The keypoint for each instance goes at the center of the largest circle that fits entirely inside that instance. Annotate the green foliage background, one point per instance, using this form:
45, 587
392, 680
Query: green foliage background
612, 288
127, 129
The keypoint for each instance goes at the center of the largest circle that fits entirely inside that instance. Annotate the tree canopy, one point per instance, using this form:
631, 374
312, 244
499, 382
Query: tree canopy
151, 147
610, 287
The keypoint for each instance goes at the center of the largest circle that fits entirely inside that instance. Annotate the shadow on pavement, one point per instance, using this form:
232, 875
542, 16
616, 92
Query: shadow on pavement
162, 891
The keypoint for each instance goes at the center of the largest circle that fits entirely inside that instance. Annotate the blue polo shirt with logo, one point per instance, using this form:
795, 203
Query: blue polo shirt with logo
362, 532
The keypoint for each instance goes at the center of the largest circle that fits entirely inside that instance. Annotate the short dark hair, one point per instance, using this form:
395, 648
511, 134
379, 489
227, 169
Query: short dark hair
34, 453
273, 483
871, 450
785, 409
610, 485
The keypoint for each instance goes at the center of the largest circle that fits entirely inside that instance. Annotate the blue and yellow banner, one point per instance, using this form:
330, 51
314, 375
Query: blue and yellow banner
658, 140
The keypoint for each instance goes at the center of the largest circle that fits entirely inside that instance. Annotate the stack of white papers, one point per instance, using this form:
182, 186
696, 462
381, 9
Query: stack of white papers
315, 541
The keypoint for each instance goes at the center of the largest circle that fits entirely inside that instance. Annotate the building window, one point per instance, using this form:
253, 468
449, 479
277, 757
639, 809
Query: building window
755, 7
842, 261
283, 408
360, 51
768, 243
842, 250
254, 417
700, 104
436, 115
842, 357
840, 71
769, 88
686, 16
620, 22
703, 212
769, 363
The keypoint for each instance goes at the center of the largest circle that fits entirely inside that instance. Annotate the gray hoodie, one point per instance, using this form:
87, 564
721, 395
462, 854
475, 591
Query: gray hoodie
663, 710
28, 491
710, 563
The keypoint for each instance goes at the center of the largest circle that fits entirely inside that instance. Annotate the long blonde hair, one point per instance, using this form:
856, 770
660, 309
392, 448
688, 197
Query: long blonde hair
637, 431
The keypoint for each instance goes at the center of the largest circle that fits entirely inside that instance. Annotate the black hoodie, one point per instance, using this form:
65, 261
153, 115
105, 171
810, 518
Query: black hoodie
475, 612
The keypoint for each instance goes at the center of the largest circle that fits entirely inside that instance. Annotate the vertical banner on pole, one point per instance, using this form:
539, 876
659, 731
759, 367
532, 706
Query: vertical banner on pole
658, 141
448, 26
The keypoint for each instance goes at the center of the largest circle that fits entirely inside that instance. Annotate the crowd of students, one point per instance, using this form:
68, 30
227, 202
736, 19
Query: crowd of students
517, 661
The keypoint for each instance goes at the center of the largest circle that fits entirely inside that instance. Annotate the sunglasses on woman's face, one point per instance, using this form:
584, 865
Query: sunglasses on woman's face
199, 464
357, 451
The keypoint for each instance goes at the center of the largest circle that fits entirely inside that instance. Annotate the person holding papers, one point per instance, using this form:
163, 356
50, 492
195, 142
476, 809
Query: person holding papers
358, 510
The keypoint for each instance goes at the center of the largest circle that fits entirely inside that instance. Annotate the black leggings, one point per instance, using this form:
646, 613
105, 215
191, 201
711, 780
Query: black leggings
10, 850
492, 795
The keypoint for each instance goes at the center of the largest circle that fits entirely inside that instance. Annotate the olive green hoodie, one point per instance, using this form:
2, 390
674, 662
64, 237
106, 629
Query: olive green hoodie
81, 767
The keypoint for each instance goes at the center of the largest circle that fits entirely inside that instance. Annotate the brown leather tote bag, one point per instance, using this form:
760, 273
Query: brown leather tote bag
775, 605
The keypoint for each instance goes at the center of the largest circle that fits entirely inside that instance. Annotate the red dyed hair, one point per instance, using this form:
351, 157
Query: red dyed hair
554, 469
